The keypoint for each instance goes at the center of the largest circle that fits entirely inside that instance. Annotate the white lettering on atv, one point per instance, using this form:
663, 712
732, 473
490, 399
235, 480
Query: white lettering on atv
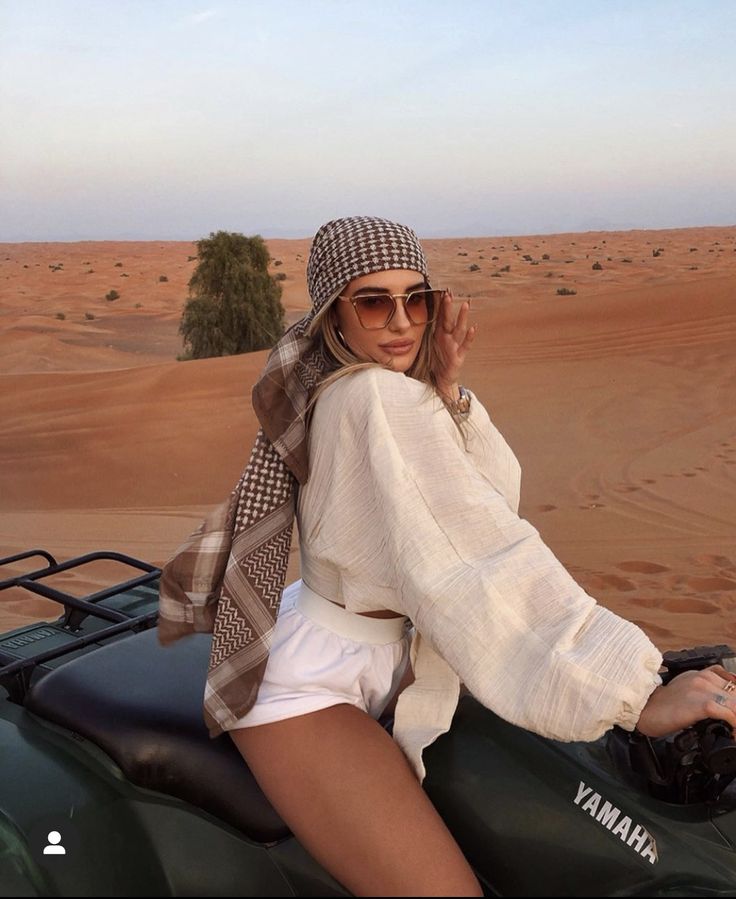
638, 838
608, 815
622, 828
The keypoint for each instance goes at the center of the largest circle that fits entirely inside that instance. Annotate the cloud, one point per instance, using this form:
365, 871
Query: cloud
198, 17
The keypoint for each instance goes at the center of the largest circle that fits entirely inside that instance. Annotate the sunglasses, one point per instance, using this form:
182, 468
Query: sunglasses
376, 309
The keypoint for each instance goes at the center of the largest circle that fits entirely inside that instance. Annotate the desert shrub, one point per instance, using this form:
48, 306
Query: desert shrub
162, 278
550, 275
626, 260
597, 267
112, 295
566, 292
693, 249
462, 254
280, 276
657, 252
505, 268
234, 304
545, 256
496, 274
693, 268
125, 275
138, 306
90, 271
277, 262
526, 257
61, 316
474, 268
494, 258
89, 316
191, 258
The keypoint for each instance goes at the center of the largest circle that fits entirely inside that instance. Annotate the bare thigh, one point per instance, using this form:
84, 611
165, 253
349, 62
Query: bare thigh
350, 797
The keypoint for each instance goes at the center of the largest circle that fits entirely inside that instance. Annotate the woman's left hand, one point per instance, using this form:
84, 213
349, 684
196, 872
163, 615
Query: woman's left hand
453, 338
689, 698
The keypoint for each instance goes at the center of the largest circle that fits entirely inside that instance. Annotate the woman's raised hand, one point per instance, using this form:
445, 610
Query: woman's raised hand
452, 338
689, 698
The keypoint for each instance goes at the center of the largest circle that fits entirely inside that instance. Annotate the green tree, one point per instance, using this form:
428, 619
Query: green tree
234, 305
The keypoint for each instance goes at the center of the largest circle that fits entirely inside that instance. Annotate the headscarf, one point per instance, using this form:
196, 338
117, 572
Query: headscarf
229, 575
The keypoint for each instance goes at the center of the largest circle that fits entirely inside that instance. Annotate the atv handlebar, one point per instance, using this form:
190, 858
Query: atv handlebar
697, 764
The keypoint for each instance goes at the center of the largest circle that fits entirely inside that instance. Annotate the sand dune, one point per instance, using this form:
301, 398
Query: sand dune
618, 400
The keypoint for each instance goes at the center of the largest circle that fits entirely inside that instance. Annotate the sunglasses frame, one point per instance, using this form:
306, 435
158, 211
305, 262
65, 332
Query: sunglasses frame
394, 296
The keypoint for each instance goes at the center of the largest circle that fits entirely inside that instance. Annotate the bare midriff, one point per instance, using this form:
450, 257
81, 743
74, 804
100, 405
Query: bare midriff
379, 613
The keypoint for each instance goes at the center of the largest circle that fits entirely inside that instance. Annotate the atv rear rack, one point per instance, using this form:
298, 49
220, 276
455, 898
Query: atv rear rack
85, 621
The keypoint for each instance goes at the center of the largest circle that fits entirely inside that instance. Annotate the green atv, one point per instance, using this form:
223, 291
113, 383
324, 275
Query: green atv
111, 786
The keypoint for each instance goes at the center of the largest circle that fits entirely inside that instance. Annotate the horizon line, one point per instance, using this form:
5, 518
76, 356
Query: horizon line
463, 236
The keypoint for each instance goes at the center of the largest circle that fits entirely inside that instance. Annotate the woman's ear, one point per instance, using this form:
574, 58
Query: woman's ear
336, 325
336, 321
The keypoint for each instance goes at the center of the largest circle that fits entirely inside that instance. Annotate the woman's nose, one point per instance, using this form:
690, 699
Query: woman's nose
400, 320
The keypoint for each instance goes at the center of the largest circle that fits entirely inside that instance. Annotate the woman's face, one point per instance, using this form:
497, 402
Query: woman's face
395, 345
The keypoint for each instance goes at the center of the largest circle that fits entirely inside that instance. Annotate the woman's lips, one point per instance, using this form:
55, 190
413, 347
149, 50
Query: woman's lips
398, 348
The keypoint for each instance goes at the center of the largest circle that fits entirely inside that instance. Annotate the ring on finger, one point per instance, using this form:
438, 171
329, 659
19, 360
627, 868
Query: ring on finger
730, 686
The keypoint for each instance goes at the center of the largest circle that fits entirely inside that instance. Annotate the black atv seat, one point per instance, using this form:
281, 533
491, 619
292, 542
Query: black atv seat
142, 704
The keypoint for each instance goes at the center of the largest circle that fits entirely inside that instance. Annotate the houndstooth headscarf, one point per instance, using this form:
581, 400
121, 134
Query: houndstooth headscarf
229, 575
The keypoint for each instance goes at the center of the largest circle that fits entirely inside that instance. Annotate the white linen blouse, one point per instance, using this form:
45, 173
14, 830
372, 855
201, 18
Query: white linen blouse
401, 513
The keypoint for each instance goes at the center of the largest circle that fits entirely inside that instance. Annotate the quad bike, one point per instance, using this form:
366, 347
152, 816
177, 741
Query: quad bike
111, 786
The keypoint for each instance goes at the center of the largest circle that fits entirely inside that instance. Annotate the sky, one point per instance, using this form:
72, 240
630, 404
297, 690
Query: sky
169, 119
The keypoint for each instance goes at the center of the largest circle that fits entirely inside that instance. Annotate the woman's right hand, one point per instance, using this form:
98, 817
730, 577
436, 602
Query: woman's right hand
453, 337
687, 699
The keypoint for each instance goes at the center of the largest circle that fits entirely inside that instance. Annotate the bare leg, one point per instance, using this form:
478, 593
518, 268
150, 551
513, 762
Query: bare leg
348, 794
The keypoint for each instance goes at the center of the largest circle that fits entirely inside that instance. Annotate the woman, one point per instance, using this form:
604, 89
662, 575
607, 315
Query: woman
406, 499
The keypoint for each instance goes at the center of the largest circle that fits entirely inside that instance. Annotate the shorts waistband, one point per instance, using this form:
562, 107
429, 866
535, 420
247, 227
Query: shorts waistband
356, 627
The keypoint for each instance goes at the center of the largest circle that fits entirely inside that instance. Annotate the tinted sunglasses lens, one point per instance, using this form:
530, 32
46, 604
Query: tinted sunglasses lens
374, 309
421, 305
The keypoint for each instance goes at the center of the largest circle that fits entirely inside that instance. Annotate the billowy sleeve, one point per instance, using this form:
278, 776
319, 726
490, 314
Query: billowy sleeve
409, 509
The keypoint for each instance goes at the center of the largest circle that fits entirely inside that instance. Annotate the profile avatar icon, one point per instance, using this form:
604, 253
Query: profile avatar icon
54, 847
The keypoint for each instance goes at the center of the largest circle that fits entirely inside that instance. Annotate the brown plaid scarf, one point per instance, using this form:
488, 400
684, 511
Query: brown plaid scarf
229, 575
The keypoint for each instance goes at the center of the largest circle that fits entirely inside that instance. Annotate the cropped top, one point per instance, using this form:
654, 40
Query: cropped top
403, 512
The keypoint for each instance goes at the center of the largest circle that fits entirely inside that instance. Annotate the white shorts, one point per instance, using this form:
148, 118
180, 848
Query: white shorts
322, 655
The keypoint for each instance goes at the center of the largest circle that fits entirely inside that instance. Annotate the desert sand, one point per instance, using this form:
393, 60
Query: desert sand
619, 401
